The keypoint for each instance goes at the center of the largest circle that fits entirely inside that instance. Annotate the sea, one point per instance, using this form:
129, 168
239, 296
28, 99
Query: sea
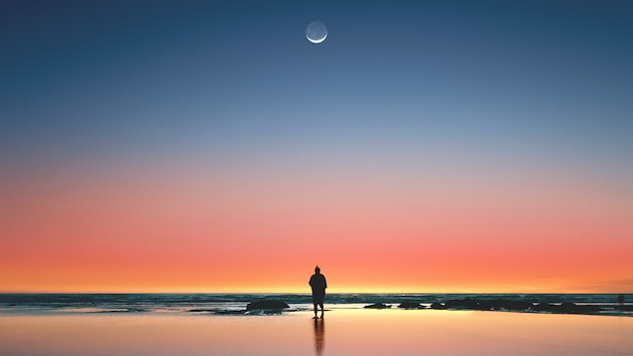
236, 303
222, 325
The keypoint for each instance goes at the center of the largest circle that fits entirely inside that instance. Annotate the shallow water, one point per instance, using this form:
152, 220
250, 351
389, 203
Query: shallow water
342, 332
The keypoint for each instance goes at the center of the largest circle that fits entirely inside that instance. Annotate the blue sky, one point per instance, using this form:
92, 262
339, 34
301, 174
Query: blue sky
85, 74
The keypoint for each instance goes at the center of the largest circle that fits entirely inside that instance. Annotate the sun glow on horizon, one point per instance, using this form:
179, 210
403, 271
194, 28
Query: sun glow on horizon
472, 288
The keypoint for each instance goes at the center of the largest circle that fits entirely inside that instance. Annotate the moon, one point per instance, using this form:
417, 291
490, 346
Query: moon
316, 32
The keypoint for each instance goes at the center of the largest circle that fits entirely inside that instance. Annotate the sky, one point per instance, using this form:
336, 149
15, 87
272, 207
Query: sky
424, 146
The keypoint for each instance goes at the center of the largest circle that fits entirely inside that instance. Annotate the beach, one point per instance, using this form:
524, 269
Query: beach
345, 330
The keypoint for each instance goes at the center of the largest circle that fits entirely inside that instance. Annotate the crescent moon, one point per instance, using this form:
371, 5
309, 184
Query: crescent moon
316, 32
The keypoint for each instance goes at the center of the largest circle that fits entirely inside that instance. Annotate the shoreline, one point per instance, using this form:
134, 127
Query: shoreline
275, 304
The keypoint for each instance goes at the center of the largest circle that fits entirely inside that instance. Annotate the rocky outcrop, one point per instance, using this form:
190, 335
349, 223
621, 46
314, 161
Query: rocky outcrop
266, 305
494, 304
513, 305
544, 307
377, 306
461, 304
410, 305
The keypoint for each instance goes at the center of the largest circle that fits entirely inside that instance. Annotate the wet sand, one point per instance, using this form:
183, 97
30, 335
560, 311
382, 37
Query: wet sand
341, 332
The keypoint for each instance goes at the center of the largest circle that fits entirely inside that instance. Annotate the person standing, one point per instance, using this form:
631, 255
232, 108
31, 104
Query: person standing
318, 284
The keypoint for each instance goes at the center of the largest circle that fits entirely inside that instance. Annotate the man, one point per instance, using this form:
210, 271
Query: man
318, 284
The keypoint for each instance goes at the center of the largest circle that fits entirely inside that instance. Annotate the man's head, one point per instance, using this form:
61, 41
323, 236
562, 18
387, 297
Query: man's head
317, 270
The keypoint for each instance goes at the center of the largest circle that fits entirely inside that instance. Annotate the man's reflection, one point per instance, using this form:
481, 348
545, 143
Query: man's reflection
319, 335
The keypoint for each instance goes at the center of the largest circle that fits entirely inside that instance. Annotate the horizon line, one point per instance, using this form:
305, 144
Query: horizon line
299, 293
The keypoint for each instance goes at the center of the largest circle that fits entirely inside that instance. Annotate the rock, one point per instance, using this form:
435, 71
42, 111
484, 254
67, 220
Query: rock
377, 306
438, 306
498, 304
267, 304
568, 308
493, 304
579, 309
517, 305
229, 312
462, 304
544, 307
410, 305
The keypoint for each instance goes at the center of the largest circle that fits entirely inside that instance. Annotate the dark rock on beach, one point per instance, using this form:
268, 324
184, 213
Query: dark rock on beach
494, 304
438, 306
229, 312
572, 308
201, 310
505, 305
410, 305
544, 307
567, 308
462, 304
377, 306
267, 304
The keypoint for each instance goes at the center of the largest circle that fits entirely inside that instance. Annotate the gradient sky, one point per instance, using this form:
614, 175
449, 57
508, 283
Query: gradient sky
425, 146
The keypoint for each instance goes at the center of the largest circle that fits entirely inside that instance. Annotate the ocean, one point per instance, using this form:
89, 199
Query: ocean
606, 304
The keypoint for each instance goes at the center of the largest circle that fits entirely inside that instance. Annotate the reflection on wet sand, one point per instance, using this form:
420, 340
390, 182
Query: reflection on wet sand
350, 332
319, 335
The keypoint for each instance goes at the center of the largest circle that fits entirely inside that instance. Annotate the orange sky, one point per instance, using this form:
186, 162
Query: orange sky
97, 231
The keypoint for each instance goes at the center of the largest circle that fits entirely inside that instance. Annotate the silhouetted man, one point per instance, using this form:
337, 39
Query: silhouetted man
318, 284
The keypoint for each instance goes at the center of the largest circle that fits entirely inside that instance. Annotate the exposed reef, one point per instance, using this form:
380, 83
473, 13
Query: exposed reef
523, 306
267, 305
